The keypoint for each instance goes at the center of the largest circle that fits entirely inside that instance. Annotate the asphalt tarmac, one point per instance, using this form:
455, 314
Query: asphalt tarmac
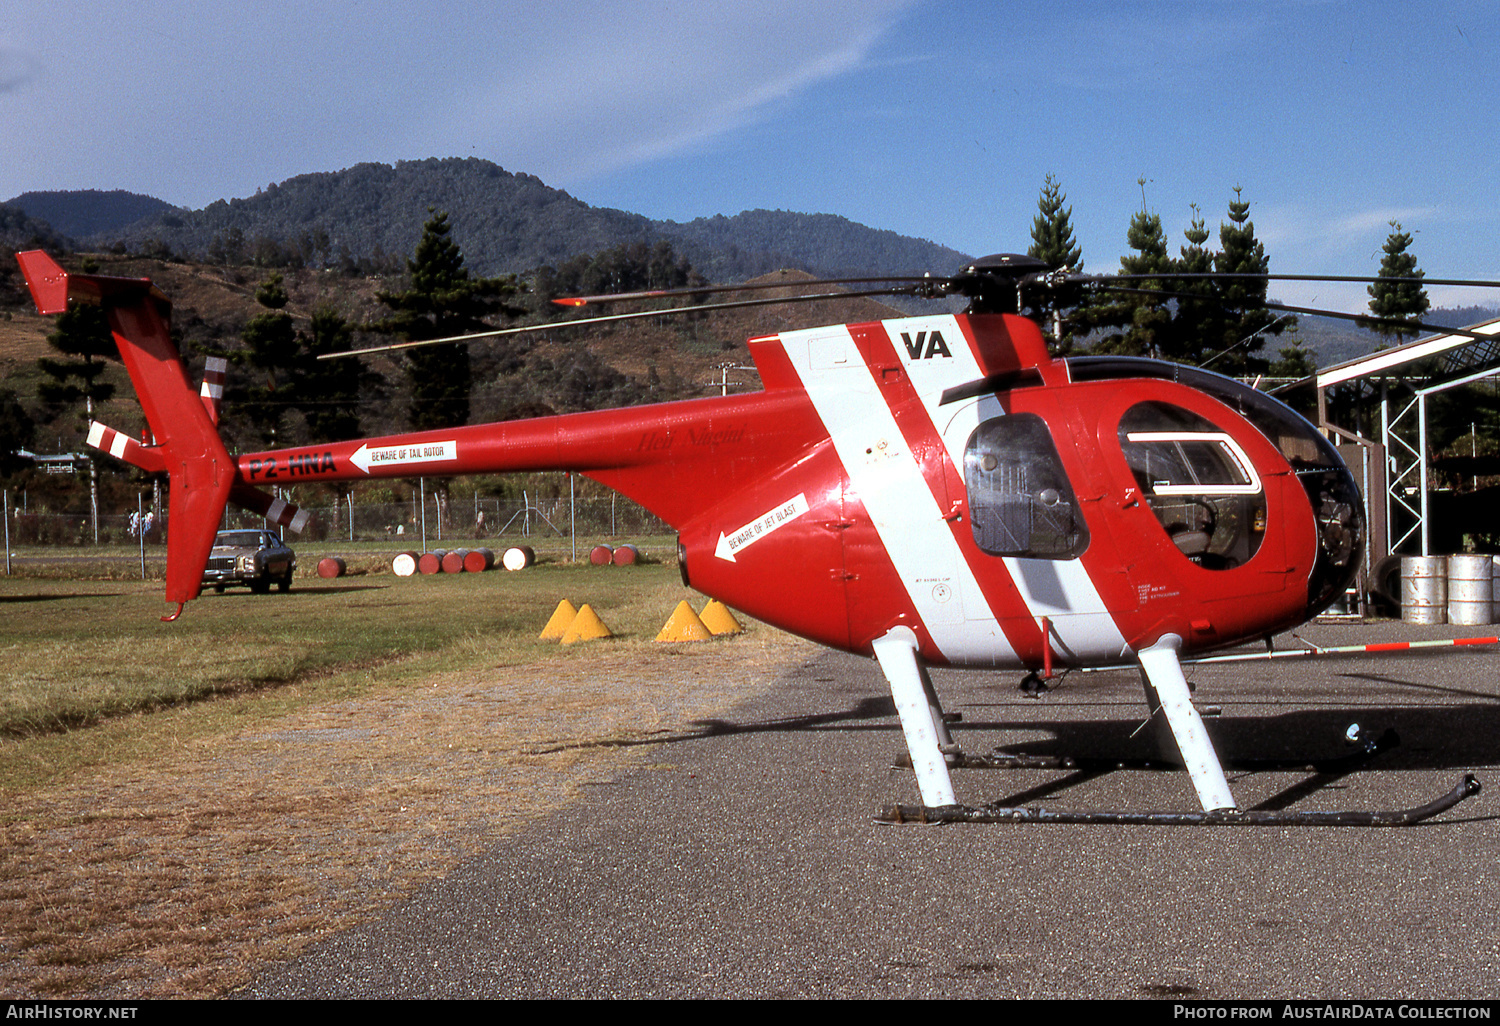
744, 860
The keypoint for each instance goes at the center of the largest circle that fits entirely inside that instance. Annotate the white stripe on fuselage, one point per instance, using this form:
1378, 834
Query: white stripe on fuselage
887, 480
908, 518
1059, 589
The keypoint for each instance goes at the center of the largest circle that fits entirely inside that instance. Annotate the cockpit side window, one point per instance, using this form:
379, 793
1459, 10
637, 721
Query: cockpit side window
1020, 501
1198, 481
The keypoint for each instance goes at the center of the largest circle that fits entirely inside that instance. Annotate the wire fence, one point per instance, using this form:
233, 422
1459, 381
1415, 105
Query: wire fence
481, 517
467, 517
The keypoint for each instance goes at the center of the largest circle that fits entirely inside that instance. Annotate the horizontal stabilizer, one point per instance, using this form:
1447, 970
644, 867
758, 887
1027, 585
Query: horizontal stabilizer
122, 447
212, 392
277, 511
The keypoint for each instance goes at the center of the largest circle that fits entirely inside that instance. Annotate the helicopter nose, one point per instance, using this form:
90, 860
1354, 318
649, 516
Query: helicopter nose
1338, 514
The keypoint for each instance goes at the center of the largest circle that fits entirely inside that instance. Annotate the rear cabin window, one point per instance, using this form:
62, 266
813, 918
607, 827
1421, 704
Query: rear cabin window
1198, 481
1020, 502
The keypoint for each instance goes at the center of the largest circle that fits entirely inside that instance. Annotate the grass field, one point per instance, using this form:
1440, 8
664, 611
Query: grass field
81, 642
181, 803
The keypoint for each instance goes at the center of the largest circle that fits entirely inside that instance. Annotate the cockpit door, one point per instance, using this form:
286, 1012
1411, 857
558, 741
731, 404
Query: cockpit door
1026, 515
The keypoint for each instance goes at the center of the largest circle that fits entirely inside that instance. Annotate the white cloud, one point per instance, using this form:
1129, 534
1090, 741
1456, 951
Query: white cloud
1363, 224
248, 95
644, 83
1311, 239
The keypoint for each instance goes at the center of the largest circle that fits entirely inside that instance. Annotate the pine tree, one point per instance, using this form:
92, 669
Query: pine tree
1236, 337
278, 376
1051, 230
262, 391
1295, 362
442, 301
1147, 330
1052, 243
1184, 339
1143, 318
327, 391
16, 430
82, 332
1397, 300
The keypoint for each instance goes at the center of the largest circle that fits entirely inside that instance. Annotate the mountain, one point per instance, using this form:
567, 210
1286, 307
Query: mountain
20, 229
506, 222
82, 214
760, 241
1333, 340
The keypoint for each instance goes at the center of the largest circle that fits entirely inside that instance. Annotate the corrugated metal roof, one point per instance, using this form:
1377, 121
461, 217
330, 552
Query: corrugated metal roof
1465, 352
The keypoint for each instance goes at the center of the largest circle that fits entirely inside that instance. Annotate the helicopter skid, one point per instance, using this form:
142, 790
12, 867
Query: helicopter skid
1466, 788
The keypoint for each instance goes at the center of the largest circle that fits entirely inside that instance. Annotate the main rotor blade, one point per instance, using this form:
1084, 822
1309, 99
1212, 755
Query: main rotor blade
704, 290
608, 318
1475, 282
1367, 320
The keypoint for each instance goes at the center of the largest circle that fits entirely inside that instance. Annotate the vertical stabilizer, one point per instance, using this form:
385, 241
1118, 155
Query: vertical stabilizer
200, 470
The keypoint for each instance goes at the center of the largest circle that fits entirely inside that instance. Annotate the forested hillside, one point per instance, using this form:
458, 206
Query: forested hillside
369, 216
87, 213
270, 322
20, 230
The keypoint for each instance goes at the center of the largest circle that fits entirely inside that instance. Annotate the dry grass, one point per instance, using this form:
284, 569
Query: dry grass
184, 875
180, 804
79, 653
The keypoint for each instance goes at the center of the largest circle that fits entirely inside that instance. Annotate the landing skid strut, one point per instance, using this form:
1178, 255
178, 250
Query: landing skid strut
932, 752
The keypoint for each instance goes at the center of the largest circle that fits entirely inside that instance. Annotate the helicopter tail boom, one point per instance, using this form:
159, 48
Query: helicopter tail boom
667, 456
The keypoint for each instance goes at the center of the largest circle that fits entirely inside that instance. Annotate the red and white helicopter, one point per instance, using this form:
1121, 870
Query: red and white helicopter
948, 493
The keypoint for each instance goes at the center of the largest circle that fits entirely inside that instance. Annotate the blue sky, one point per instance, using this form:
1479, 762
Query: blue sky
931, 118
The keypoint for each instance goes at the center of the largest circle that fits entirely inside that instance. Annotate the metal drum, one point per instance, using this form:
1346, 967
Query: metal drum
479, 560
1471, 589
518, 557
1424, 589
